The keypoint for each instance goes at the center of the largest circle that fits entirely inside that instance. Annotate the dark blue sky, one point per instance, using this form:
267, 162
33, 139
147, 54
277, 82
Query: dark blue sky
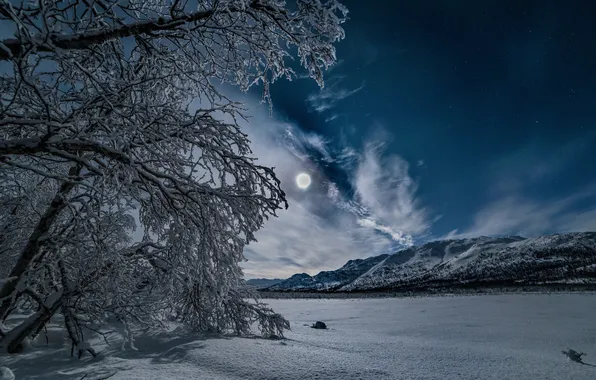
492, 104
441, 119
461, 86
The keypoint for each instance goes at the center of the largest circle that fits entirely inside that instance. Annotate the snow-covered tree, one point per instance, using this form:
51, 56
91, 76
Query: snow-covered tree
111, 111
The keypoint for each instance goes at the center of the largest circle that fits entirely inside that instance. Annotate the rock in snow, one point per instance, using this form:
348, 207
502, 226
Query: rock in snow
319, 325
6, 374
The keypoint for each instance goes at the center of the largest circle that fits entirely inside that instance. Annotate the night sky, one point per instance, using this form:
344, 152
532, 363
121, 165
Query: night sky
442, 119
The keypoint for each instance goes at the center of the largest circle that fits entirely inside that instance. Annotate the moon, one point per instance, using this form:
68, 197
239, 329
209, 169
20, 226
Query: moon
303, 181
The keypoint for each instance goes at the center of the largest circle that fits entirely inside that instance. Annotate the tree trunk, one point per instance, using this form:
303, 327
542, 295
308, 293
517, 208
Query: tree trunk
34, 245
13, 341
75, 334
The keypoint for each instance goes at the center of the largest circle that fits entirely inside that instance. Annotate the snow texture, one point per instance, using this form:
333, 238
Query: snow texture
83, 346
474, 337
6, 374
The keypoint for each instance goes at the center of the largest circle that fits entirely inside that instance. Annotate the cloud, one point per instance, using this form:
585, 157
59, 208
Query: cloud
578, 221
534, 164
384, 187
327, 98
358, 204
398, 236
314, 234
332, 117
299, 240
516, 215
384, 193
303, 144
519, 204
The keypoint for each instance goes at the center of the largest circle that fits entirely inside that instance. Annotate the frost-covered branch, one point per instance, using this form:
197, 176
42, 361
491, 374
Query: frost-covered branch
113, 125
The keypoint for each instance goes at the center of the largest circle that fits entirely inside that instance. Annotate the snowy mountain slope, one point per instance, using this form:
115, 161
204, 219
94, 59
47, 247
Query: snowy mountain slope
561, 258
329, 280
427, 259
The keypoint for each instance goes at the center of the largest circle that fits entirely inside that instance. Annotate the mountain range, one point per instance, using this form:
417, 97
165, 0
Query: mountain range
484, 261
264, 282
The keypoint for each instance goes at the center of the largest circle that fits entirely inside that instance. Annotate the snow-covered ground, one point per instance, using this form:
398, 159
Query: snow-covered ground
472, 337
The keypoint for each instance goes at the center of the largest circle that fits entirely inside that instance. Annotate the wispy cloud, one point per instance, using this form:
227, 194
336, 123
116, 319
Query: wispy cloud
396, 235
383, 192
516, 215
303, 144
327, 98
383, 185
514, 208
332, 117
534, 163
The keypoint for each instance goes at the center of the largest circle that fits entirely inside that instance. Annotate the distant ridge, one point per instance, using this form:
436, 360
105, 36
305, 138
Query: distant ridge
484, 261
263, 282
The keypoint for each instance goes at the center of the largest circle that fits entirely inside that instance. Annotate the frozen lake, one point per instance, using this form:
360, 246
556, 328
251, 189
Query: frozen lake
483, 337
472, 337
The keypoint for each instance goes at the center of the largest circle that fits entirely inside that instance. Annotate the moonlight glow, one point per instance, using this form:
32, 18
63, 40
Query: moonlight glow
303, 180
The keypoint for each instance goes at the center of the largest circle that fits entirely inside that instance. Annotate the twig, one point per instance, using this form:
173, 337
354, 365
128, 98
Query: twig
107, 377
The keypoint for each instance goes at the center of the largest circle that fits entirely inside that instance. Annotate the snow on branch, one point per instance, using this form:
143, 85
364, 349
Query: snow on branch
128, 189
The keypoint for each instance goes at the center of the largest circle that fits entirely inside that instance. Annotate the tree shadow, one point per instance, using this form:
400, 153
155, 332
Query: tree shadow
588, 364
50, 356
576, 357
258, 337
161, 346
54, 361
42, 364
